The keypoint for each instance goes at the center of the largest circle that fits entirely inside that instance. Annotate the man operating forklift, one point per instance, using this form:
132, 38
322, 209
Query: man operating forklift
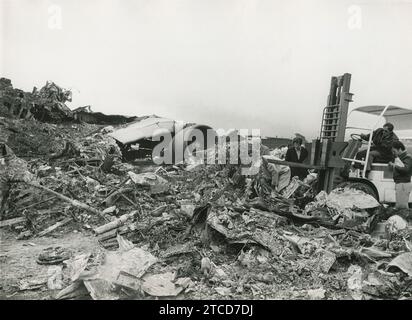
381, 149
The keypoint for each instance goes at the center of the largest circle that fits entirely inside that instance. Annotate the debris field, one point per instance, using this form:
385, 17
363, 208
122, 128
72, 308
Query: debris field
79, 222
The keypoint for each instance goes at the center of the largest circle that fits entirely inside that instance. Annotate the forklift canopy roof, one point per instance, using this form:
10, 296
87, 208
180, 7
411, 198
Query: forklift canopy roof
401, 118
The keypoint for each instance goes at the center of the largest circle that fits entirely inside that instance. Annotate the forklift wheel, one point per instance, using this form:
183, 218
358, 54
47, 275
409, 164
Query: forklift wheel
359, 186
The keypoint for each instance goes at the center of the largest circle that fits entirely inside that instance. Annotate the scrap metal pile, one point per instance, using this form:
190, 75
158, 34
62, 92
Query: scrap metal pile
190, 230
46, 104
49, 105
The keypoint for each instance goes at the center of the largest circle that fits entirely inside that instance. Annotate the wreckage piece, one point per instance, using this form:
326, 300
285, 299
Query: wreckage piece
116, 188
110, 210
123, 229
11, 222
342, 200
115, 195
303, 245
373, 253
235, 233
55, 278
402, 262
279, 175
161, 285
133, 263
108, 160
106, 238
291, 188
37, 203
109, 244
125, 280
69, 150
85, 114
114, 232
129, 261
354, 282
199, 216
116, 223
159, 210
136, 205
149, 131
53, 255
324, 260
316, 294
76, 290
156, 183
381, 284
205, 266
144, 129
12, 169
32, 284
48, 104
178, 249
348, 198
200, 213
77, 265
55, 226
353, 209
100, 289
300, 218
53, 92
157, 285
124, 244
74, 203
396, 223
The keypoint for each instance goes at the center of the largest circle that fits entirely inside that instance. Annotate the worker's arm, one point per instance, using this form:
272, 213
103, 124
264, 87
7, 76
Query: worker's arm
365, 136
407, 168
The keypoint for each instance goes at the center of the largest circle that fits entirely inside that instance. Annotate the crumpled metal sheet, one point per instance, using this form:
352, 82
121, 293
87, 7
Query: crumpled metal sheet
278, 174
343, 200
54, 92
403, 262
13, 168
135, 261
350, 199
161, 285
354, 282
100, 279
156, 183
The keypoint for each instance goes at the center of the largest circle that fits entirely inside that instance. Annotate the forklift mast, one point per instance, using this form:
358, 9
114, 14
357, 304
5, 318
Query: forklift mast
335, 114
327, 150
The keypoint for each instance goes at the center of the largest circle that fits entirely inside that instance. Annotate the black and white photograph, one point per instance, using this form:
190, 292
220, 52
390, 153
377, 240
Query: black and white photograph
205, 156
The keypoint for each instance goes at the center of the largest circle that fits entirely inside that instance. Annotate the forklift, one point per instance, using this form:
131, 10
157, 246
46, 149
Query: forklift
334, 158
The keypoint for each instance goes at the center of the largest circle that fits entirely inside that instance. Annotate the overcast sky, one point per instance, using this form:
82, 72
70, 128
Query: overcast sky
227, 63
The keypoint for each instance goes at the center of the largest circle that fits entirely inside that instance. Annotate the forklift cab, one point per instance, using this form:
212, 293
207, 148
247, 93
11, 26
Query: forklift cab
380, 176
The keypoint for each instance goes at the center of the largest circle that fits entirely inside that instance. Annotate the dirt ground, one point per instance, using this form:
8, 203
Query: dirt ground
18, 261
